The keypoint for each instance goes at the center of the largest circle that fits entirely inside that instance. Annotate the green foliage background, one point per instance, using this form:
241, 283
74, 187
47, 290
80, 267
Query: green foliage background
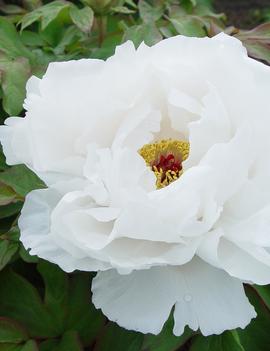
41, 307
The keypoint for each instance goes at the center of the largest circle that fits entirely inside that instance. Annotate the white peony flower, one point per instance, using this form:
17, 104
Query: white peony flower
158, 178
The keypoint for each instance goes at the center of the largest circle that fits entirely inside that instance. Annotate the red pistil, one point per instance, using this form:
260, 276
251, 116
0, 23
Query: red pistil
168, 163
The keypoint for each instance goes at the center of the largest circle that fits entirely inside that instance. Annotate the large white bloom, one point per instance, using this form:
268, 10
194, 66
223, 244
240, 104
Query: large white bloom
105, 138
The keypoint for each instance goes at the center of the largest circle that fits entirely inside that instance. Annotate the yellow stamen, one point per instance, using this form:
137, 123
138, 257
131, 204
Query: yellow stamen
157, 156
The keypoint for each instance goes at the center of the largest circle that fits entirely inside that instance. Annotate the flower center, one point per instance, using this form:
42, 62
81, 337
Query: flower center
165, 158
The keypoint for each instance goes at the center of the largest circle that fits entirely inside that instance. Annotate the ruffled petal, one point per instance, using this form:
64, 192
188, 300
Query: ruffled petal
245, 261
204, 298
35, 227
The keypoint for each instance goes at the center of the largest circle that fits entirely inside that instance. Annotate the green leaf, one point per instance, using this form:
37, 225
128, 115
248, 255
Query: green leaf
11, 331
3, 165
190, 26
56, 292
131, 3
264, 292
48, 345
257, 41
228, 341
10, 209
12, 235
122, 9
256, 337
7, 251
31, 345
25, 256
82, 18
166, 340
12, 9
70, 341
53, 33
82, 316
14, 75
21, 179
7, 195
149, 13
120, 338
19, 300
10, 41
147, 32
46, 14
31, 38
70, 37
31, 5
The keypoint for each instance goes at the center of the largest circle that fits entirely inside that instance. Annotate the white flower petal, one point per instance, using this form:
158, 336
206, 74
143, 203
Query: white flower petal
231, 163
143, 300
245, 261
183, 109
138, 128
212, 301
34, 225
14, 136
213, 127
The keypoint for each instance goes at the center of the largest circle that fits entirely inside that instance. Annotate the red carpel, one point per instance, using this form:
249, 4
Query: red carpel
168, 163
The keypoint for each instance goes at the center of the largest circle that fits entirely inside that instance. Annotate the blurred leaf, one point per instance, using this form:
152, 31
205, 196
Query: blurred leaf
19, 300
48, 345
82, 315
131, 3
82, 18
264, 293
67, 305
54, 32
30, 345
10, 209
166, 32
190, 26
11, 9
13, 234
56, 292
227, 341
31, 5
122, 9
3, 165
188, 5
7, 195
46, 14
71, 36
166, 340
31, 38
149, 13
14, 74
25, 255
11, 331
257, 41
10, 41
205, 8
120, 338
70, 341
21, 179
147, 32
256, 336
7, 251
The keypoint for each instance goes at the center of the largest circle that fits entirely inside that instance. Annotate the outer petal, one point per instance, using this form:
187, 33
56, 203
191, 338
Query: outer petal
79, 228
204, 297
35, 224
245, 261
